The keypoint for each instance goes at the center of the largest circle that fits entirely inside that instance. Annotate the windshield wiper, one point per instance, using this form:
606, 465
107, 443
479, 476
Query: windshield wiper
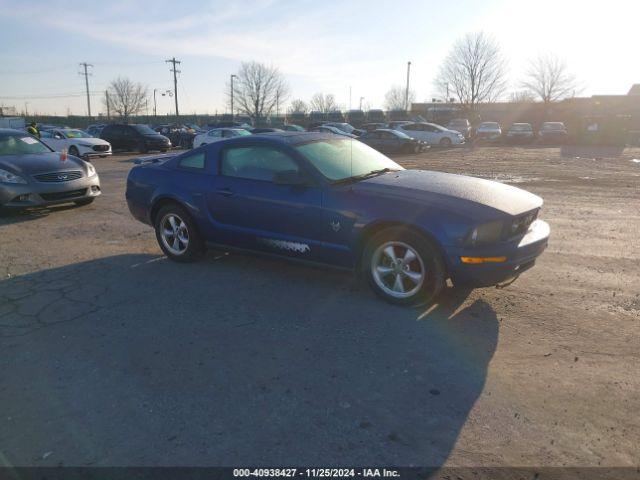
357, 178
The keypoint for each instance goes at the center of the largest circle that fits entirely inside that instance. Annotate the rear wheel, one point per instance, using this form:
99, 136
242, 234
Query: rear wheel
403, 267
177, 234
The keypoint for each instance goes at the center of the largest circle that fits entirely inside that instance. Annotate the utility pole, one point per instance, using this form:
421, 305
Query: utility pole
361, 98
106, 95
349, 97
406, 92
155, 110
175, 71
26, 110
232, 77
86, 74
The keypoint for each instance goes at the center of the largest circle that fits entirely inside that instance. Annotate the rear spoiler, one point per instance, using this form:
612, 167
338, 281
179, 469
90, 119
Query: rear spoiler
160, 158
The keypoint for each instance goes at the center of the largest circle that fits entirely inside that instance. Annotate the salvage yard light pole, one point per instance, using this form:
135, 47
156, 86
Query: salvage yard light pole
406, 92
232, 77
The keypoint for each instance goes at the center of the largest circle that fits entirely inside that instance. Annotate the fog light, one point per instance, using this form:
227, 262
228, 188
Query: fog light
476, 260
95, 188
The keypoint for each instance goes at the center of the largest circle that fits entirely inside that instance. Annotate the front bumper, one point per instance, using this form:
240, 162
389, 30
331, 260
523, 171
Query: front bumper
37, 194
521, 256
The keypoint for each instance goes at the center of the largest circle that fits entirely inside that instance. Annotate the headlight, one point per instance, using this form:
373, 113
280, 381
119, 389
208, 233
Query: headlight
8, 177
487, 233
91, 170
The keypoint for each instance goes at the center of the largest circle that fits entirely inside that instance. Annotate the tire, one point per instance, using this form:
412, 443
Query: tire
184, 243
73, 150
445, 142
142, 147
395, 286
84, 201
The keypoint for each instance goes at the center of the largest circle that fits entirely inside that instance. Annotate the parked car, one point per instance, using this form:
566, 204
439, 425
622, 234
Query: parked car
376, 116
211, 126
461, 125
256, 131
178, 135
552, 132
217, 134
322, 198
431, 133
333, 130
396, 123
94, 130
355, 117
520, 133
292, 128
335, 116
488, 132
370, 127
33, 175
75, 142
134, 137
392, 141
345, 127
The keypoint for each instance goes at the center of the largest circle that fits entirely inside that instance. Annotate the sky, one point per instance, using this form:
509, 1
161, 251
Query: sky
325, 46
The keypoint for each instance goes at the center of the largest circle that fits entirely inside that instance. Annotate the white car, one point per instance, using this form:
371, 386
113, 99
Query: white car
75, 142
218, 134
489, 131
431, 133
331, 129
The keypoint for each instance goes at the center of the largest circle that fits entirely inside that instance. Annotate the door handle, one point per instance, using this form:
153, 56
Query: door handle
225, 192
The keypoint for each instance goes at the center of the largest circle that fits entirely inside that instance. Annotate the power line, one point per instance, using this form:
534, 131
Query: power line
175, 80
86, 82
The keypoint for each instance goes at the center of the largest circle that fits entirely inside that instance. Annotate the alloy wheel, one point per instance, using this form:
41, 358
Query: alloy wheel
397, 269
174, 234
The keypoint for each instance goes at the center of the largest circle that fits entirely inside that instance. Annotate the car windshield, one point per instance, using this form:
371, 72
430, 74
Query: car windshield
343, 159
400, 134
144, 129
345, 127
16, 144
75, 134
489, 125
241, 132
521, 127
459, 123
553, 126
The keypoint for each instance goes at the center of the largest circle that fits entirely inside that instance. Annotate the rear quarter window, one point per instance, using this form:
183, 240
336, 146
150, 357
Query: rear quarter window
195, 160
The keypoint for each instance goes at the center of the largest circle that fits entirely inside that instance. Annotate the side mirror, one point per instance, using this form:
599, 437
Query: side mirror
290, 177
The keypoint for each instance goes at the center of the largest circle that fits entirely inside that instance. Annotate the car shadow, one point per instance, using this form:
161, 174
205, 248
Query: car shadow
18, 216
234, 360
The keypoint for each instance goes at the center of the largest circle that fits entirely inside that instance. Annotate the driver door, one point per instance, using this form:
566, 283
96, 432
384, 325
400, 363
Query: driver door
254, 207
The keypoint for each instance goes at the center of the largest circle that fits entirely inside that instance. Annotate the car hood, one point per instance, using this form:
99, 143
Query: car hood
89, 141
156, 136
428, 186
40, 163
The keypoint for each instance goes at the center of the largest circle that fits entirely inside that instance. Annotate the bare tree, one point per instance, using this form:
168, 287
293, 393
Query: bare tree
259, 90
323, 103
474, 71
394, 99
298, 106
125, 97
547, 78
522, 96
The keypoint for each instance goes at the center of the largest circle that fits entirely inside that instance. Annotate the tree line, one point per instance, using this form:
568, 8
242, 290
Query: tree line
474, 72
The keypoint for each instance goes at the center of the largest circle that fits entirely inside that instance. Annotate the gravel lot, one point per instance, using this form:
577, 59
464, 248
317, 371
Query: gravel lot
112, 355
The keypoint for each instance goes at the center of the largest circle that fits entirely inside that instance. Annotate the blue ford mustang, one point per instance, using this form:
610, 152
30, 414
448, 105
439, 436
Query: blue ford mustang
334, 200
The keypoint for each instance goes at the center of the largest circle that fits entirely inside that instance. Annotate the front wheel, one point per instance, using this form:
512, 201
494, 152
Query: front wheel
403, 267
177, 234
445, 142
73, 151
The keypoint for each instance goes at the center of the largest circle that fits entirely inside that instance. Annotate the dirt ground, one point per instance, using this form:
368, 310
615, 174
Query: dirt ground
112, 355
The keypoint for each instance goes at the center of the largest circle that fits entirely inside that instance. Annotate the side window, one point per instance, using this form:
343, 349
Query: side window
45, 134
214, 133
388, 135
411, 128
195, 160
128, 131
256, 163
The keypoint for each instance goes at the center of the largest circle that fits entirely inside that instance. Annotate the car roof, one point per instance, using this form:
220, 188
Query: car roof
288, 138
8, 131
